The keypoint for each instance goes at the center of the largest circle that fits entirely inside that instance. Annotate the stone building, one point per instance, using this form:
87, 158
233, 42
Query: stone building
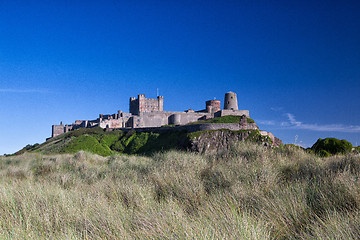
148, 112
143, 104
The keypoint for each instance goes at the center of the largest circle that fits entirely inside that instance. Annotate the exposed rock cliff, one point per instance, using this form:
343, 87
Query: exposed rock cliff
215, 140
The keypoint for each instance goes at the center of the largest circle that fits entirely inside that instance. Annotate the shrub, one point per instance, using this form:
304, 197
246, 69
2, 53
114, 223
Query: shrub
331, 146
110, 139
324, 153
138, 141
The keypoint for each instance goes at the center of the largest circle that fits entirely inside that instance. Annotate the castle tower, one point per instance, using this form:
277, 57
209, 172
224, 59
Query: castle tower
134, 106
160, 100
213, 106
143, 104
230, 102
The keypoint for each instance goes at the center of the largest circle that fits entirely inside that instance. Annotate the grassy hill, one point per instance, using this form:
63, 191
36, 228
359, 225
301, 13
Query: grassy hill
98, 141
247, 192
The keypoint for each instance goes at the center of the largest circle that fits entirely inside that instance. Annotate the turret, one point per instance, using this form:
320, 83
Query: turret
230, 102
160, 103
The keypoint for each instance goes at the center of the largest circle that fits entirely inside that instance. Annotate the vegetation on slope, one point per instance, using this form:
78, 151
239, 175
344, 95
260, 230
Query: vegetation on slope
326, 147
98, 141
224, 119
248, 192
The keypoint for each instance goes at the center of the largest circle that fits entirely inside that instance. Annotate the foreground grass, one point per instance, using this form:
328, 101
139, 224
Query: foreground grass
249, 192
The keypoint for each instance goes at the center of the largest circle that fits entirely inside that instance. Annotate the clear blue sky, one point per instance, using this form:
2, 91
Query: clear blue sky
293, 64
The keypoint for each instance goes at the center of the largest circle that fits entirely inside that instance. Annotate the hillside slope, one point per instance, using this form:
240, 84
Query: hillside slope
105, 143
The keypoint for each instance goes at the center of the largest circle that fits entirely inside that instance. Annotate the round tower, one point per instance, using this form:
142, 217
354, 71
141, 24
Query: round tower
177, 119
230, 102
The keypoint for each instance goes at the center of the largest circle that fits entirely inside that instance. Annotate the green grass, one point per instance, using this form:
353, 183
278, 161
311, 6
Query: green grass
224, 119
87, 143
98, 141
247, 192
326, 147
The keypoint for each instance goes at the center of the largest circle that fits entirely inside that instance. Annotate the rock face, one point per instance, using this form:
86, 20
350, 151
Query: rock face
214, 141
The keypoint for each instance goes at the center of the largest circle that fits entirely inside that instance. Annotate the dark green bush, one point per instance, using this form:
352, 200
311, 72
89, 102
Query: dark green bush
324, 153
331, 146
138, 141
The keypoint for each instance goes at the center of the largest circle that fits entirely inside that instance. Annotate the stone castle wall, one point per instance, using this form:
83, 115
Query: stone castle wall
197, 127
148, 113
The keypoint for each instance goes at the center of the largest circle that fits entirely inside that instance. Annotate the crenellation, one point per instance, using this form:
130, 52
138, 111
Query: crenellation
147, 112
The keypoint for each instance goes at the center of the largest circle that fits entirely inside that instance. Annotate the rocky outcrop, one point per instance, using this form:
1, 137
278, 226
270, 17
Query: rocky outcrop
213, 141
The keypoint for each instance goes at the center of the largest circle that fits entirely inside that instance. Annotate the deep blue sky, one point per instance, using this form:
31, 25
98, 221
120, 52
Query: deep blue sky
293, 64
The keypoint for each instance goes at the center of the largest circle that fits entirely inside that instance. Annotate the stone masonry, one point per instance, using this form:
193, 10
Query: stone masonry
148, 113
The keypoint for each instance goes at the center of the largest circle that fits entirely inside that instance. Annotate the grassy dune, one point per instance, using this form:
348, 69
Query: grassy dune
249, 192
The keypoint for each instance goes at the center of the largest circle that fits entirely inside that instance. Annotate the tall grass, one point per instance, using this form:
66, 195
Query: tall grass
247, 192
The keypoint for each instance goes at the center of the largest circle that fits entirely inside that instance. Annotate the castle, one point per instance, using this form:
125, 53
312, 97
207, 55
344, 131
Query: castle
147, 112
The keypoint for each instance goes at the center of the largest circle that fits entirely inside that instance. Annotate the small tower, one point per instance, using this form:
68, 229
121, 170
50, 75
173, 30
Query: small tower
160, 100
230, 102
213, 106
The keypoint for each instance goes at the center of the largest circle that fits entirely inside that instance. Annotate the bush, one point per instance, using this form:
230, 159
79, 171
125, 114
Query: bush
324, 153
326, 146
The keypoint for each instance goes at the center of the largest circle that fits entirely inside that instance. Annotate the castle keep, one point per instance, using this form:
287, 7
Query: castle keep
147, 112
